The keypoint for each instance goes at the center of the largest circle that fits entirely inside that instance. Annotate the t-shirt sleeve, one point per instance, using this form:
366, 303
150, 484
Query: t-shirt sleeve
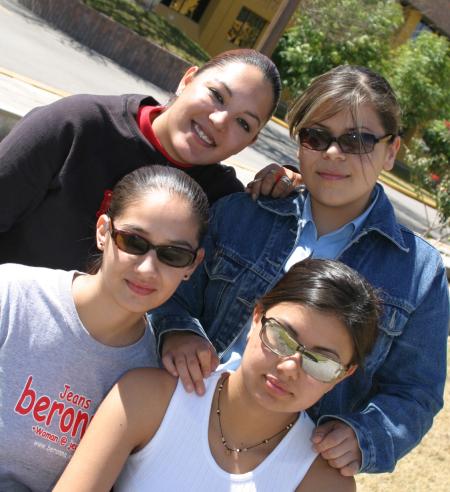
31, 157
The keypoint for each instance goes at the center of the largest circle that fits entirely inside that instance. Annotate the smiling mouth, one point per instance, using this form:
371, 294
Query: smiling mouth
202, 135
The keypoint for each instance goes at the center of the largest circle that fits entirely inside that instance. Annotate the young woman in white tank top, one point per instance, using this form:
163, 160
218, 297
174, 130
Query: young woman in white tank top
249, 431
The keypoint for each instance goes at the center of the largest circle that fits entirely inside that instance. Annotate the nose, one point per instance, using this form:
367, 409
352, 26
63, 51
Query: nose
334, 151
148, 264
219, 119
290, 366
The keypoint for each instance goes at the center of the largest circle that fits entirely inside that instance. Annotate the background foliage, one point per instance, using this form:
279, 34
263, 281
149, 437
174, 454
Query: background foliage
327, 33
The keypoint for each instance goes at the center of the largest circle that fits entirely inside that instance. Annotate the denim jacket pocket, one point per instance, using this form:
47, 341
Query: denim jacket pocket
395, 314
224, 271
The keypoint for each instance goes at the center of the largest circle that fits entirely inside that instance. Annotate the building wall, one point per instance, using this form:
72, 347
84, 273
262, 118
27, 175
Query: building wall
212, 29
412, 18
111, 39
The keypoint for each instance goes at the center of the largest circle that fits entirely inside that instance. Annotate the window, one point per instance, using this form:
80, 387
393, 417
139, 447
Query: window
193, 9
246, 28
421, 26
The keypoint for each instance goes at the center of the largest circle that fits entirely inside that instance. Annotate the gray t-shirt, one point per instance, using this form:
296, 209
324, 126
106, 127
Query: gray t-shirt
53, 375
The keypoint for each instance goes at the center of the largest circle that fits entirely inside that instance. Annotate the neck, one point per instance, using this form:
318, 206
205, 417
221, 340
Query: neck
328, 218
106, 322
159, 126
245, 422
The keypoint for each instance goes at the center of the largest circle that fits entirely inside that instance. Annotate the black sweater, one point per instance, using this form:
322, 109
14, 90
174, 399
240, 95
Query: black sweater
55, 166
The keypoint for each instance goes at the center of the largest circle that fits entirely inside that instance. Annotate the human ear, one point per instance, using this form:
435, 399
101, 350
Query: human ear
391, 153
350, 371
258, 313
187, 79
198, 259
103, 225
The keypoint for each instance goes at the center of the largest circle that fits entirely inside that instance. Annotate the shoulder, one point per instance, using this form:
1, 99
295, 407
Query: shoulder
321, 476
90, 107
217, 180
146, 394
13, 272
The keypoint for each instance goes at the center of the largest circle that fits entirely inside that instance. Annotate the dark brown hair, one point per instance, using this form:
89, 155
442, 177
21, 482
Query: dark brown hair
331, 287
249, 57
147, 179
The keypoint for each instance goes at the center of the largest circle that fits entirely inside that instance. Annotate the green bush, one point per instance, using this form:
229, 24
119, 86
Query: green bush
428, 157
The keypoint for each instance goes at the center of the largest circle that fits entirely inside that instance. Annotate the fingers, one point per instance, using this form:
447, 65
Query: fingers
190, 373
191, 358
321, 432
268, 182
337, 443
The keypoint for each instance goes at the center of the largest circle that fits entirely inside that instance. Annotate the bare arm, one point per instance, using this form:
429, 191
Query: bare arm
321, 477
125, 421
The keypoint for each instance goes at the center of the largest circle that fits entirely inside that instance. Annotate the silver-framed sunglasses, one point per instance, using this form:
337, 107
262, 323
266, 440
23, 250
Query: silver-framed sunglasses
281, 341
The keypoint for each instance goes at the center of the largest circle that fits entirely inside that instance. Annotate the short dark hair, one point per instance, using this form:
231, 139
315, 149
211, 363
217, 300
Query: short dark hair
332, 287
249, 57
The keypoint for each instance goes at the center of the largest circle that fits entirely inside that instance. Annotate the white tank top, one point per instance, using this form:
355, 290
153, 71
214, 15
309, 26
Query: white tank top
178, 458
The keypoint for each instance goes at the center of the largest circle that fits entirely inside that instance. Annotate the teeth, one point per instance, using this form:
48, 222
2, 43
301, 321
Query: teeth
203, 135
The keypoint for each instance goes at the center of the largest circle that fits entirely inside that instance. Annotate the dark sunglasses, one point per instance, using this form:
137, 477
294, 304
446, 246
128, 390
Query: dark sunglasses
133, 244
349, 143
282, 342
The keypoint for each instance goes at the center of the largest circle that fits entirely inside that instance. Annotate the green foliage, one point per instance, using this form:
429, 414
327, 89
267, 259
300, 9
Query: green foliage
419, 71
428, 157
327, 33
151, 26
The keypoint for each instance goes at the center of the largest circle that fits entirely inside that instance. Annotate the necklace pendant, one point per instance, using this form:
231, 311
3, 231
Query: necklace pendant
228, 452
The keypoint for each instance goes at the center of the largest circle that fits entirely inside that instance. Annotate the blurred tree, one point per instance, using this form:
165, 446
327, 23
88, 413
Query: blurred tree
419, 71
327, 33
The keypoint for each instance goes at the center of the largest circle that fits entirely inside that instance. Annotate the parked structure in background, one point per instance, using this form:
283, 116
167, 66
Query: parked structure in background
219, 25
424, 14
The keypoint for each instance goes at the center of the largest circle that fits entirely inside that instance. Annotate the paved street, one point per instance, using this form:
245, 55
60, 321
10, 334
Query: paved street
33, 51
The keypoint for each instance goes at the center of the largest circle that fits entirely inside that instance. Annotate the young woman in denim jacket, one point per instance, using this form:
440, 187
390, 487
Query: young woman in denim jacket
347, 123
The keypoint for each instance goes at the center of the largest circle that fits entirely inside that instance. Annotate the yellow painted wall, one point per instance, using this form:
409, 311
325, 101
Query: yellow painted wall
412, 18
211, 31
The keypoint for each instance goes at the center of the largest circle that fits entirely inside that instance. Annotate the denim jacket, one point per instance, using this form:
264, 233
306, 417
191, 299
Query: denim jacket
390, 404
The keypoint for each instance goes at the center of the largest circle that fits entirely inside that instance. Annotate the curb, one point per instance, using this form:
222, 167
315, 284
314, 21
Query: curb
34, 83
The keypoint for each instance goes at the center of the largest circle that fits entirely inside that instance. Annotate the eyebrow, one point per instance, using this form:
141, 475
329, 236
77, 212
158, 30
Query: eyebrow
142, 232
230, 93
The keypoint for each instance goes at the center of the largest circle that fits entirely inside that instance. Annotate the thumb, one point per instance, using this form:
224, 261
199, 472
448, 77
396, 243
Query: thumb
321, 431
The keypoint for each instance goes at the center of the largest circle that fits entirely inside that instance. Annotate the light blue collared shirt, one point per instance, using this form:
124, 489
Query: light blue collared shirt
329, 245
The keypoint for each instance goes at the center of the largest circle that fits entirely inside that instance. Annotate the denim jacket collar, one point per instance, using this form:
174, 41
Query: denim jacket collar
380, 220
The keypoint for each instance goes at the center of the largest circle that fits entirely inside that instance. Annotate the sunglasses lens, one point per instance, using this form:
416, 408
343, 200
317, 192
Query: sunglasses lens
320, 367
357, 143
131, 243
276, 337
314, 139
174, 256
